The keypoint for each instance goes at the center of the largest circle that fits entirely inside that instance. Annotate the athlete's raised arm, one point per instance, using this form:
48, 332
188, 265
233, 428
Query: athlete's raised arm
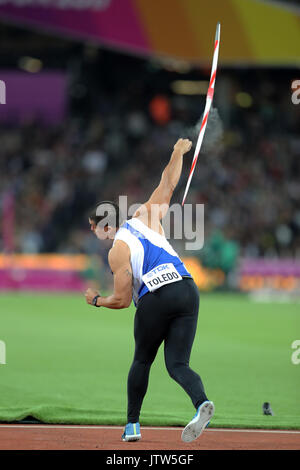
159, 200
119, 261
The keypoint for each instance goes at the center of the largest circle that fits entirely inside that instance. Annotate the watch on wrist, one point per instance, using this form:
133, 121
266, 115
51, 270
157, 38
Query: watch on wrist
94, 301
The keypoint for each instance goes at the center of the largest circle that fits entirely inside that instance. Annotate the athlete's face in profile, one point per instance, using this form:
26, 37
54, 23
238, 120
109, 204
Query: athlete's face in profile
102, 233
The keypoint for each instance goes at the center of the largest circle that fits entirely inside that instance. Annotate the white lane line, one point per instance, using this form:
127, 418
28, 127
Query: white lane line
99, 427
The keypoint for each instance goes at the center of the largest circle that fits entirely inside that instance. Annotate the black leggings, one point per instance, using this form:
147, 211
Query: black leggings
169, 314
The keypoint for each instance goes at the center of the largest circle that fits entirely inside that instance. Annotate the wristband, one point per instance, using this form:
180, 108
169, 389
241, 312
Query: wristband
94, 301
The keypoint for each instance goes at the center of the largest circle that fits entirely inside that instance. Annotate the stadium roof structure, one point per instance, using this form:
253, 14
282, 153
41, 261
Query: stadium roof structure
253, 32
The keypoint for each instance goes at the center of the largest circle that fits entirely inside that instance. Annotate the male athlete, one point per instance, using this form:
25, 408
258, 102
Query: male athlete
146, 268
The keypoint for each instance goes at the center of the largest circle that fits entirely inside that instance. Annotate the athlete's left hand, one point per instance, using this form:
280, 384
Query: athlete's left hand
90, 295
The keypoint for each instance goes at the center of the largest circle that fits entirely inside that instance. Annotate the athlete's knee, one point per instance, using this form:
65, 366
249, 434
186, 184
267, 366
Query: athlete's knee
145, 355
143, 359
175, 369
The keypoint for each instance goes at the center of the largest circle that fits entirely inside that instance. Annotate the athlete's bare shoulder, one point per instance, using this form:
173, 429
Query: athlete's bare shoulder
150, 217
118, 255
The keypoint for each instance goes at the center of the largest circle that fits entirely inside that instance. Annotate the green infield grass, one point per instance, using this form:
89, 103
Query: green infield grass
67, 362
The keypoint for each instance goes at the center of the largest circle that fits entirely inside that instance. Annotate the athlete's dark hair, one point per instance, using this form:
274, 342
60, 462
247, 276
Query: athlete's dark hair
109, 212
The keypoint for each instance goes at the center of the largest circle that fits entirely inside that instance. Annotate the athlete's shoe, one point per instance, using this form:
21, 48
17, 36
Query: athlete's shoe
132, 432
199, 422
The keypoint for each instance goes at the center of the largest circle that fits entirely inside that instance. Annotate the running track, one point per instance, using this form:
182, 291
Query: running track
69, 437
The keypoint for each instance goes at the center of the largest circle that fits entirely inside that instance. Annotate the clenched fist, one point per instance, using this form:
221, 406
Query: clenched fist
183, 145
90, 295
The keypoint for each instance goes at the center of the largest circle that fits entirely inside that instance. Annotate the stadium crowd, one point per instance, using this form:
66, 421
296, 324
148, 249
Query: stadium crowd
248, 180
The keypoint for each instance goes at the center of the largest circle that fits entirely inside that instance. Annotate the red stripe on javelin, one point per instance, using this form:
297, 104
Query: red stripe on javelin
204, 121
213, 77
202, 125
216, 44
193, 165
210, 92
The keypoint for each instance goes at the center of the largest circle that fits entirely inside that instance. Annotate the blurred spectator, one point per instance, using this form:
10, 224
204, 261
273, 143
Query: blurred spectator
249, 182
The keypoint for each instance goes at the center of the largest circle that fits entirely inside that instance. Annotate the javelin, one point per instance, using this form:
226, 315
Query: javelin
209, 99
